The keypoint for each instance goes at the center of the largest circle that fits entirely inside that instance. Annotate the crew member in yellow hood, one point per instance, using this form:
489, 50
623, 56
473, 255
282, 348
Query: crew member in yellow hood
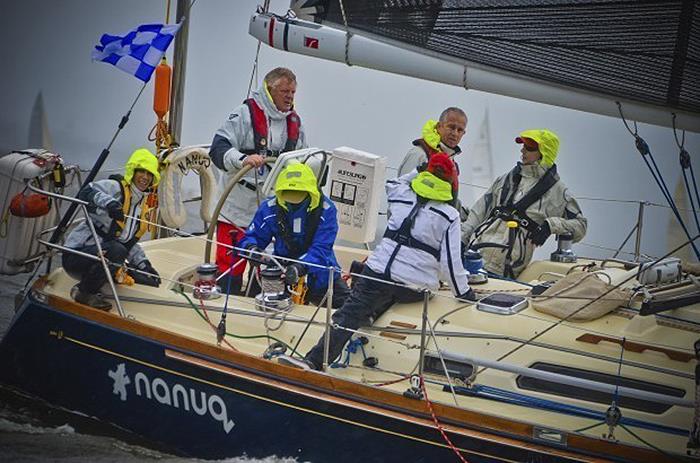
121, 216
531, 195
304, 225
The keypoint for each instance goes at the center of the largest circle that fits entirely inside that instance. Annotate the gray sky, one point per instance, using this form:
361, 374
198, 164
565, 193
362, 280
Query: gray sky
49, 51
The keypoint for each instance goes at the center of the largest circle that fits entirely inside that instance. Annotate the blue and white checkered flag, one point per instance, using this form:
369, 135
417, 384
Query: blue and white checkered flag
139, 51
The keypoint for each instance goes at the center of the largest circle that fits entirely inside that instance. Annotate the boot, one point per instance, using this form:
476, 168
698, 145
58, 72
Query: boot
93, 300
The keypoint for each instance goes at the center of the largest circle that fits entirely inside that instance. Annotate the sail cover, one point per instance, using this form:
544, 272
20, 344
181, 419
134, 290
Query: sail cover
643, 51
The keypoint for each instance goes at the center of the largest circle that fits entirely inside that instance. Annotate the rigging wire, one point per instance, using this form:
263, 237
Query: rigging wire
254, 72
644, 150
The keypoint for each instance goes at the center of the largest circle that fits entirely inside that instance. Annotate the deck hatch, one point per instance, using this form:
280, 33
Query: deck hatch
548, 387
502, 303
457, 370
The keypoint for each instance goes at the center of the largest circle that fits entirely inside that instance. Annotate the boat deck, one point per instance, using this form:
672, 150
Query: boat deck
460, 328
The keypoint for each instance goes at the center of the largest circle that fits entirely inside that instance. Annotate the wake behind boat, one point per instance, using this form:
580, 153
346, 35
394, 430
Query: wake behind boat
578, 360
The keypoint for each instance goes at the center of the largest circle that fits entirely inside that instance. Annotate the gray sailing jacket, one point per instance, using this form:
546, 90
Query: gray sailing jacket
557, 206
101, 193
242, 202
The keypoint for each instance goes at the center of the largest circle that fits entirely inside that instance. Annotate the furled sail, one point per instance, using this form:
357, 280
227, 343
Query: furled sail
581, 54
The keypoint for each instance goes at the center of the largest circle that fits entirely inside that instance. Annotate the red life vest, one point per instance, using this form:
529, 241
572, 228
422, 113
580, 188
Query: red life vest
257, 115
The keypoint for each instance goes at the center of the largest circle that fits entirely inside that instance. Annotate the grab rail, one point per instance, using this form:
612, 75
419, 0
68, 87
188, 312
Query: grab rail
83, 207
570, 380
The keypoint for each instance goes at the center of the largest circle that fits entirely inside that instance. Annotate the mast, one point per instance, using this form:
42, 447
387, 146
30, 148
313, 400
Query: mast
177, 97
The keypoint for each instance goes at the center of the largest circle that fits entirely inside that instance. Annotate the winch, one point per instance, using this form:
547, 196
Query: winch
272, 297
474, 264
205, 283
563, 252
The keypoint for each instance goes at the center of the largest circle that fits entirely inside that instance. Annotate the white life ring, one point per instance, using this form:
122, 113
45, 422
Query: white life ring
170, 200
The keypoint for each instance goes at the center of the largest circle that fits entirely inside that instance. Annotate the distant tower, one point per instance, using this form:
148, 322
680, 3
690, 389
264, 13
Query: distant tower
476, 164
38, 128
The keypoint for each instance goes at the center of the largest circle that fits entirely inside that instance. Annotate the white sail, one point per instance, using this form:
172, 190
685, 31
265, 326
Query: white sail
39, 136
476, 165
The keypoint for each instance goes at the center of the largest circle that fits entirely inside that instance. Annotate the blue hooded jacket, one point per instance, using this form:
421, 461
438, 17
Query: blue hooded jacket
264, 227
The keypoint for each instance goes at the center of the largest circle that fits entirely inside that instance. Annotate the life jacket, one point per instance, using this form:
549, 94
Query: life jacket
507, 210
293, 248
257, 115
402, 236
146, 218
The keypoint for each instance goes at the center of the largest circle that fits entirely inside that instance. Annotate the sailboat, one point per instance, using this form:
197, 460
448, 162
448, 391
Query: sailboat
440, 380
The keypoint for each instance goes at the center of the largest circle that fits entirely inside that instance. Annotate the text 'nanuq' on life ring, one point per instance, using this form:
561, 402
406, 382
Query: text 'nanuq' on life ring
170, 200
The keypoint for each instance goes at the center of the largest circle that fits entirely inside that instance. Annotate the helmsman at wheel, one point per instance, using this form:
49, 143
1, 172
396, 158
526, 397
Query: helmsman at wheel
262, 127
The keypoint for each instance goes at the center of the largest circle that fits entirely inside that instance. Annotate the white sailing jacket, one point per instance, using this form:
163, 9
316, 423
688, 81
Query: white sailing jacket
436, 225
238, 130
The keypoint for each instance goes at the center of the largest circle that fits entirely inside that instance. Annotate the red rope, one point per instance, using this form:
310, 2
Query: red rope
206, 316
437, 423
403, 378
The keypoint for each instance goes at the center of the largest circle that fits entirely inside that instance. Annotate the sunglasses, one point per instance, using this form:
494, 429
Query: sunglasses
530, 147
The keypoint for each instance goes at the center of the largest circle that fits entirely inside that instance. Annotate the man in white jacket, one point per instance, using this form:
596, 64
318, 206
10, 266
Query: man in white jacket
420, 247
262, 127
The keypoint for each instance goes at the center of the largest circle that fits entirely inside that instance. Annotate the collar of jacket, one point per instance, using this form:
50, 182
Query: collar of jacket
264, 99
443, 147
532, 170
136, 194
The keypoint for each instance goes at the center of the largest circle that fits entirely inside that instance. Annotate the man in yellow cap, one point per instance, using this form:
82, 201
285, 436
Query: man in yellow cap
420, 246
304, 225
523, 207
121, 214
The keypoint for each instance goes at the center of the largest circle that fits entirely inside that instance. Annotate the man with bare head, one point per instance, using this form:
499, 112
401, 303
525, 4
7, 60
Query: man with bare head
264, 126
441, 136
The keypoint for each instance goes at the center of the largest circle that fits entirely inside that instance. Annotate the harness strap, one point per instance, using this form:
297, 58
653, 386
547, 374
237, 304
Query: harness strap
293, 248
116, 227
506, 210
402, 237
411, 242
248, 185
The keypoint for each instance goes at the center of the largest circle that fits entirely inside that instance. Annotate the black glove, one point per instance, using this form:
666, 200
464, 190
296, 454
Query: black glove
422, 166
541, 234
293, 273
114, 210
469, 296
147, 275
252, 252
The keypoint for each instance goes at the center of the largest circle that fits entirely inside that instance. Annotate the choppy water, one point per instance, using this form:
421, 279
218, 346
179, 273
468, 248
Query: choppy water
33, 431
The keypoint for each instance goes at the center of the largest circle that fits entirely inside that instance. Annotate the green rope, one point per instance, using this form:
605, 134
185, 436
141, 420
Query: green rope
237, 336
